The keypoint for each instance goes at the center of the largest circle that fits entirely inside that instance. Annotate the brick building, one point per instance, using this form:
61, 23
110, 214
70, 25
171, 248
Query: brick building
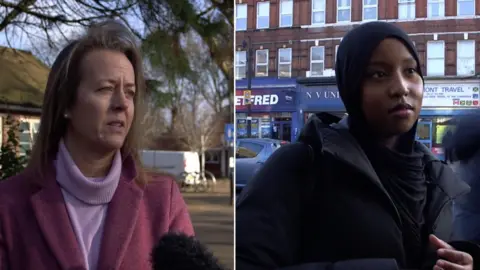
306, 33
297, 39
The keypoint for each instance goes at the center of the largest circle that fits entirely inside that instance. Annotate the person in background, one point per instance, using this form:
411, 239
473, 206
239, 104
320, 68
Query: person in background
362, 193
465, 145
448, 151
84, 201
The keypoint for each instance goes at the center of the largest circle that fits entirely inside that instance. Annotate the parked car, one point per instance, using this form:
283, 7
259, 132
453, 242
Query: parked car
251, 154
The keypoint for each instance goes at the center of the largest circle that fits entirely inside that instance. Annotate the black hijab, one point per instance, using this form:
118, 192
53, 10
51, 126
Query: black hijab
401, 171
353, 56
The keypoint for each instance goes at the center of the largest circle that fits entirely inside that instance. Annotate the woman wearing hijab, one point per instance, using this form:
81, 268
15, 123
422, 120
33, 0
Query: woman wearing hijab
84, 201
360, 194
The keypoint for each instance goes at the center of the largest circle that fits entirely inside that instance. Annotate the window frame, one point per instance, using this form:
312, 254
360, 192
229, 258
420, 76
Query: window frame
257, 64
345, 8
285, 63
435, 58
430, 2
236, 17
369, 6
238, 65
258, 11
473, 57
280, 13
319, 10
409, 4
317, 61
32, 134
468, 15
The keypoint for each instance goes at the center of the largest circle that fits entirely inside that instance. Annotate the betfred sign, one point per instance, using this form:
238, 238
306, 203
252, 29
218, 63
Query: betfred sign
257, 100
266, 100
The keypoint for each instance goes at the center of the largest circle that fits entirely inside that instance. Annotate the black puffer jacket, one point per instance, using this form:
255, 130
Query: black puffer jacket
332, 212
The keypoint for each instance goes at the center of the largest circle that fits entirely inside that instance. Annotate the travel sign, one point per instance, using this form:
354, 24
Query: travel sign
451, 95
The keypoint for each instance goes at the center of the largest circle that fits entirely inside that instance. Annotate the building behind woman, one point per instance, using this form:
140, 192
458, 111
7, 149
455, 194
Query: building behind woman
361, 194
84, 201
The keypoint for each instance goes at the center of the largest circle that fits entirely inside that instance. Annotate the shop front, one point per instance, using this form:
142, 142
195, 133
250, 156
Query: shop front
317, 95
268, 115
442, 100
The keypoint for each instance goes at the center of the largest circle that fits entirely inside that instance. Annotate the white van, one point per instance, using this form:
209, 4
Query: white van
177, 163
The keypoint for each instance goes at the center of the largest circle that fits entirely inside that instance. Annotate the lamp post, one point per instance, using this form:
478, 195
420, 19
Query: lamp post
247, 45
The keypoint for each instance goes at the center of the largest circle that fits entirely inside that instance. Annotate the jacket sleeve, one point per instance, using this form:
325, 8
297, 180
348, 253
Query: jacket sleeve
269, 213
180, 218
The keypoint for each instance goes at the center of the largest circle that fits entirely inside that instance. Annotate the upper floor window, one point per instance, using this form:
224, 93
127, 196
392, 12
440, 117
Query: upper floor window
263, 15
286, 13
261, 63
317, 60
465, 57
370, 10
318, 11
344, 10
285, 62
406, 9
436, 8
241, 20
240, 64
465, 7
435, 58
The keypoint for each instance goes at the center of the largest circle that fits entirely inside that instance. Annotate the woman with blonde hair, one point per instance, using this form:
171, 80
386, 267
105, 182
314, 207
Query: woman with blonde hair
84, 202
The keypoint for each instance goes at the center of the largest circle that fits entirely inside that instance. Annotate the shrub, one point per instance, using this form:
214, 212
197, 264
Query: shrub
10, 162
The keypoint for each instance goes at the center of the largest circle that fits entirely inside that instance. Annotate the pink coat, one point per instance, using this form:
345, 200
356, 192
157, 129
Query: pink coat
35, 230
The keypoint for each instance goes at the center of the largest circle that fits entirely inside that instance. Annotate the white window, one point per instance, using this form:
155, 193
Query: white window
465, 7
240, 65
317, 61
286, 13
436, 8
435, 58
263, 15
27, 133
370, 10
465, 57
406, 9
261, 63
285, 62
343, 10
318, 11
241, 21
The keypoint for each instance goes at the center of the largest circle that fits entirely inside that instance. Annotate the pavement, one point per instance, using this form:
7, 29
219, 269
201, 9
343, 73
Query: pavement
212, 217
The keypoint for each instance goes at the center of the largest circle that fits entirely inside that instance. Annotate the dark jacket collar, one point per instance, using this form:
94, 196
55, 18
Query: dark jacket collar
339, 142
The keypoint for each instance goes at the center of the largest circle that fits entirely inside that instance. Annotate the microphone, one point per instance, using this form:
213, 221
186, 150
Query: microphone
176, 251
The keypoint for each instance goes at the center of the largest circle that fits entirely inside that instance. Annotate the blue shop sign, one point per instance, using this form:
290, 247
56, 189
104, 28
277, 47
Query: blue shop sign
320, 98
267, 100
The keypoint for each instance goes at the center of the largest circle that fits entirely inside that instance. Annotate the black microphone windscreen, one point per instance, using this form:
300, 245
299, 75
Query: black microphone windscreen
175, 251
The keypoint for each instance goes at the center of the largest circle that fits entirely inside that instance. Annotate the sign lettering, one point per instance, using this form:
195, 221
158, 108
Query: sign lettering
257, 100
323, 95
448, 95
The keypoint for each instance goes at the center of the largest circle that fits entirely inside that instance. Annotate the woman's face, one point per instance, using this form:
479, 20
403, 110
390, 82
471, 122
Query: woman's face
392, 89
104, 107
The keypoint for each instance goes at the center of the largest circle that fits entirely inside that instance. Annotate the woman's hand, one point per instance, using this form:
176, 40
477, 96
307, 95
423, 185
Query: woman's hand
451, 259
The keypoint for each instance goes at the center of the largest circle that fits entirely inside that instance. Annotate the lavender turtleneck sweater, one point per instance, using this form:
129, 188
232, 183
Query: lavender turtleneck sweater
86, 200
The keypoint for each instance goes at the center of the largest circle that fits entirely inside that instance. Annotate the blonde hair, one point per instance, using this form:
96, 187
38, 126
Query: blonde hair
61, 92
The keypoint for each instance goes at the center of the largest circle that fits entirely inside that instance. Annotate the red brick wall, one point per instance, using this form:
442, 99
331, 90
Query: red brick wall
275, 38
